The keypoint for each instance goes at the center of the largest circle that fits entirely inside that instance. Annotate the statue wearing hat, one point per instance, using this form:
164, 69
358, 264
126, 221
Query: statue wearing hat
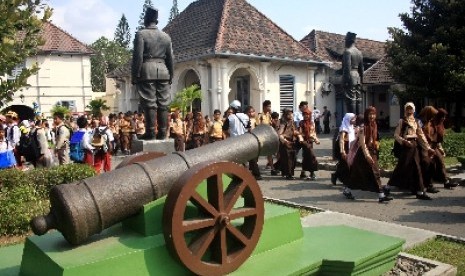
152, 72
352, 75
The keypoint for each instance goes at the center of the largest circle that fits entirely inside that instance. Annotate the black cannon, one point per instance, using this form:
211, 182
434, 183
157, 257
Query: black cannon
87, 207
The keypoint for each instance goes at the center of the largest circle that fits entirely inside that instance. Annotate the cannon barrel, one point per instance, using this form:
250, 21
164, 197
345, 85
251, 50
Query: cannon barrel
86, 207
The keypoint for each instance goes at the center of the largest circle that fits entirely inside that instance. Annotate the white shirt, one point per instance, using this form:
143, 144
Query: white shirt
298, 117
316, 114
236, 127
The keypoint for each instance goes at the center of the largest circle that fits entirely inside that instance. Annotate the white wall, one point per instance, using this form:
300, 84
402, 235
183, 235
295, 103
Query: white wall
60, 78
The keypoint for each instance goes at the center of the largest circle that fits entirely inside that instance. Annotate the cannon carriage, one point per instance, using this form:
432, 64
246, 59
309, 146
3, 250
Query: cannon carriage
214, 210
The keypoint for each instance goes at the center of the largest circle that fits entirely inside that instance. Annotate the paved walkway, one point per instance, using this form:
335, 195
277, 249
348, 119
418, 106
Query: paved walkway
405, 216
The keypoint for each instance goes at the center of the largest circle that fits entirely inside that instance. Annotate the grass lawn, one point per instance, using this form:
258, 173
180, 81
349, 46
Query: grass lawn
444, 251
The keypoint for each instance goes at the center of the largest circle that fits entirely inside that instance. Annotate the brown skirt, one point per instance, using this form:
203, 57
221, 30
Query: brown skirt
309, 162
364, 176
407, 174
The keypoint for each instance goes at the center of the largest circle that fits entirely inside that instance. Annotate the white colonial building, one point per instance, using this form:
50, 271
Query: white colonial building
64, 76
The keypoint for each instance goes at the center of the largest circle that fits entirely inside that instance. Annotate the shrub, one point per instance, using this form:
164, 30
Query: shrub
454, 146
24, 195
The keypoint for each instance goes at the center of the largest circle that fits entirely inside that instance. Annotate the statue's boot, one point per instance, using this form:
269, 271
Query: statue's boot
149, 124
162, 122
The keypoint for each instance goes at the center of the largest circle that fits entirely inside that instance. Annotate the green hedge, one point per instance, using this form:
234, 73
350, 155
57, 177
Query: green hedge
454, 146
24, 195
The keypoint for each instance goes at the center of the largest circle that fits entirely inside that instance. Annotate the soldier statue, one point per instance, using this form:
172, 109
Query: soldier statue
352, 75
152, 72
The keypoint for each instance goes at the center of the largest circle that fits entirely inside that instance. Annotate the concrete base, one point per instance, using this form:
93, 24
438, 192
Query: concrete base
165, 146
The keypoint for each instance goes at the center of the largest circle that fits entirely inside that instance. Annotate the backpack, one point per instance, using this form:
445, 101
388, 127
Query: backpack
76, 152
29, 146
100, 140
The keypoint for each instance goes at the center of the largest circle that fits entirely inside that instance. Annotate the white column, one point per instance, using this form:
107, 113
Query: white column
214, 84
206, 100
311, 87
264, 89
224, 84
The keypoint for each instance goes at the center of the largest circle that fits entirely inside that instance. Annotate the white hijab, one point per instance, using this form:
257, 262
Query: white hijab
346, 126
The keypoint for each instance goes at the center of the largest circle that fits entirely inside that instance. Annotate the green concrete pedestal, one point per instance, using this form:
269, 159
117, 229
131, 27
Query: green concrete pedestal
136, 247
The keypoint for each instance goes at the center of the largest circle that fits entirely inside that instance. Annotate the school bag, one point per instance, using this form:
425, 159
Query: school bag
100, 140
76, 152
29, 146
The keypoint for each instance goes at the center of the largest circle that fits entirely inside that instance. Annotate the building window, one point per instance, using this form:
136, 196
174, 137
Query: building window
17, 71
286, 91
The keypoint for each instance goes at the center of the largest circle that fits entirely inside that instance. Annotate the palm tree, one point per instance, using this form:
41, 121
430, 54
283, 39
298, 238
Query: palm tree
96, 106
184, 98
61, 109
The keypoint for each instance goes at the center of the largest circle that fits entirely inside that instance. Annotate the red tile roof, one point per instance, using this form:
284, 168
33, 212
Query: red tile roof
59, 41
330, 46
378, 73
231, 28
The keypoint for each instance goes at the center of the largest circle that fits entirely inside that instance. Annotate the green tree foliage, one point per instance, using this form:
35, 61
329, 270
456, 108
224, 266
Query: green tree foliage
147, 3
96, 106
429, 56
123, 33
109, 56
60, 109
184, 98
20, 35
174, 11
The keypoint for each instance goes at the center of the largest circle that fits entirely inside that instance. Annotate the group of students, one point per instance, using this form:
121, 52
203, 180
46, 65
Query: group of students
420, 158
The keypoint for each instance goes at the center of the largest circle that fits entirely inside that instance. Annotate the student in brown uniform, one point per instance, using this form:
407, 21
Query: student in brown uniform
345, 139
265, 119
199, 131
364, 170
127, 129
308, 131
288, 135
407, 173
275, 123
215, 132
178, 131
433, 128
253, 164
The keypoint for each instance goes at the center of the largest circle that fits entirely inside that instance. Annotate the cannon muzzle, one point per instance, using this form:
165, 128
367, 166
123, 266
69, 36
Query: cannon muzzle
87, 207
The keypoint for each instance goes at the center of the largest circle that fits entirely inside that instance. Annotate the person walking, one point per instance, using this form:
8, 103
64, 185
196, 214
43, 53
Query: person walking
62, 135
343, 142
326, 120
288, 136
308, 132
407, 174
364, 171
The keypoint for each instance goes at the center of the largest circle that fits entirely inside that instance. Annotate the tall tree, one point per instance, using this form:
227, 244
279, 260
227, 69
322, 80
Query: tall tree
147, 3
123, 33
20, 37
429, 56
174, 11
109, 56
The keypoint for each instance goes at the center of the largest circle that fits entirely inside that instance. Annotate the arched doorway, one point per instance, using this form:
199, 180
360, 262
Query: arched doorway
188, 78
245, 88
24, 112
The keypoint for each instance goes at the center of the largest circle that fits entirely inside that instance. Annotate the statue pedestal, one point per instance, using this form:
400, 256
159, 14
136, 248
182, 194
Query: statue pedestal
165, 146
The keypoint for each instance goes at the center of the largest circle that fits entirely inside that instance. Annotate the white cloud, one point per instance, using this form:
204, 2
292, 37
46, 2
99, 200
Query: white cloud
86, 20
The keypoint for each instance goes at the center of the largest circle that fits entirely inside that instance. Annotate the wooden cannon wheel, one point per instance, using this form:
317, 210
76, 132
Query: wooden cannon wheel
215, 234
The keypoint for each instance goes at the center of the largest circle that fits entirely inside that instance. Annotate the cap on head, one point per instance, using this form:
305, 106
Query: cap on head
12, 114
235, 104
151, 15
350, 37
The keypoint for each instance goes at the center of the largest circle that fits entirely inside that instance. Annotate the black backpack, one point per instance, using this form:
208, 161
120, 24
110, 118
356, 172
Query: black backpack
29, 146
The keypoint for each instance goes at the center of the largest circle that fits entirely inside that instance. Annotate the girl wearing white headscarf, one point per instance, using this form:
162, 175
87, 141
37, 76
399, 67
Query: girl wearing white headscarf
408, 174
345, 138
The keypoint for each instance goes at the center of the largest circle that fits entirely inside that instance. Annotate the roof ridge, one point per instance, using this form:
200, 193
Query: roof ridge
221, 27
331, 33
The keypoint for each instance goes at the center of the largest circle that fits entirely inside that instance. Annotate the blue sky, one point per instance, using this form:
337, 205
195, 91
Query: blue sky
87, 20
